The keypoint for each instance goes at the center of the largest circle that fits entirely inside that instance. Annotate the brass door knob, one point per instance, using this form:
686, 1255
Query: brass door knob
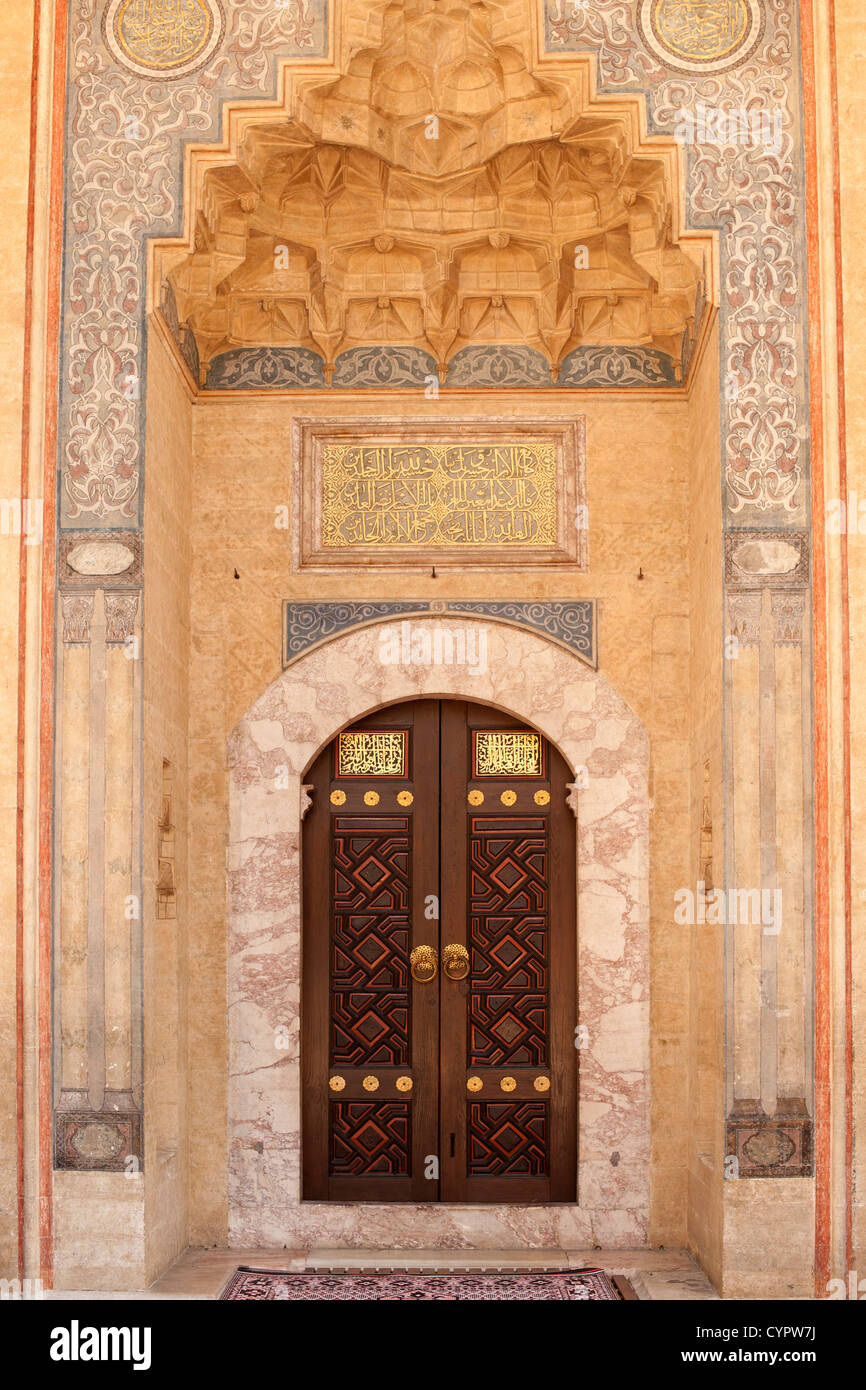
423, 963
455, 962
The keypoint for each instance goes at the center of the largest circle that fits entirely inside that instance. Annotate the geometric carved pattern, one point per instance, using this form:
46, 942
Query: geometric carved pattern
508, 1006
370, 942
507, 1137
369, 1138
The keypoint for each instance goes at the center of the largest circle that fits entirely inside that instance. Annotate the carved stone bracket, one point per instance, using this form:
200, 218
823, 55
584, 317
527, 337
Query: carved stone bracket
770, 1146
120, 612
306, 799
102, 1141
77, 617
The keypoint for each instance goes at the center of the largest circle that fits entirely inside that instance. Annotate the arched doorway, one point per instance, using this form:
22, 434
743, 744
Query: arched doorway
534, 683
440, 980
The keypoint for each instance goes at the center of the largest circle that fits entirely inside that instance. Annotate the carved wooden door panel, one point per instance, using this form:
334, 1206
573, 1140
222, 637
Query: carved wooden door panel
508, 1069
437, 1051
370, 1040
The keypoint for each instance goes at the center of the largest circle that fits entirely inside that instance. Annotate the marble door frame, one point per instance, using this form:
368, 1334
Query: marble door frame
606, 746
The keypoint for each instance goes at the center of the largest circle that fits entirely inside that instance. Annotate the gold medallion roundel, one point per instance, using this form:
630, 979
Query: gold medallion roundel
541, 798
338, 798
403, 1083
475, 797
474, 1083
337, 1083
167, 39
371, 798
370, 1083
508, 1084
405, 798
701, 35
508, 797
542, 1083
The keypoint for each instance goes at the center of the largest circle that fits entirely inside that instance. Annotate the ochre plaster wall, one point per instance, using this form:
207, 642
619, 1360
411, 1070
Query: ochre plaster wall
169, 1013
704, 945
637, 482
16, 36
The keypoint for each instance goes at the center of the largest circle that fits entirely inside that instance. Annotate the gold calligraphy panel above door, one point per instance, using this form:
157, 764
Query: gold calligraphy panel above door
463, 492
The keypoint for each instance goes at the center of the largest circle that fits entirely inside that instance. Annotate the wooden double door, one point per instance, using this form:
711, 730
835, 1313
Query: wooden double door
439, 963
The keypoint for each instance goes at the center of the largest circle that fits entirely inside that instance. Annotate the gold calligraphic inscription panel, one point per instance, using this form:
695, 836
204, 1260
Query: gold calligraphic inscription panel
373, 753
439, 495
460, 493
506, 753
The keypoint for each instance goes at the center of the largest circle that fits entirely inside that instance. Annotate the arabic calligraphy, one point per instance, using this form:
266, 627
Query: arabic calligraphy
701, 29
439, 495
379, 754
163, 34
507, 755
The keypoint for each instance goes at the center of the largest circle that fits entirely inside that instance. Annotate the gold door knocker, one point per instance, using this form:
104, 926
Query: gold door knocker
423, 962
455, 962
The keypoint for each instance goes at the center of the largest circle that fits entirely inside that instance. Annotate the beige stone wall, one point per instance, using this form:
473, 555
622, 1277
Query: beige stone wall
637, 481
169, 1011
703, 1136
16, 32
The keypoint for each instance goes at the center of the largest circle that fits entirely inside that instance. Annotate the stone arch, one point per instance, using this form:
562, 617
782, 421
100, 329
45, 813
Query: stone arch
269, 752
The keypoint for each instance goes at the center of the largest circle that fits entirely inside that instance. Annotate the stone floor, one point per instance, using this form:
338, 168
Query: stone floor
201, 1274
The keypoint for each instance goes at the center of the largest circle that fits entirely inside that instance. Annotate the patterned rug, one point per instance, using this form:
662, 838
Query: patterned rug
579, 1285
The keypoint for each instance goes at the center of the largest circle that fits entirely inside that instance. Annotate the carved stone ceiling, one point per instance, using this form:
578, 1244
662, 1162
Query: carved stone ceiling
439, 195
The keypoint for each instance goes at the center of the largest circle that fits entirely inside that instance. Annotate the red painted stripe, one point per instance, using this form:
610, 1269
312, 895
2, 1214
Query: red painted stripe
819, 628
46, 711
24, 491
846, 649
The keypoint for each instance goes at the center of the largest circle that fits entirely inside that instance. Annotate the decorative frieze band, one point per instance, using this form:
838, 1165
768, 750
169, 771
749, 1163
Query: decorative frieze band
571, 623
493, 367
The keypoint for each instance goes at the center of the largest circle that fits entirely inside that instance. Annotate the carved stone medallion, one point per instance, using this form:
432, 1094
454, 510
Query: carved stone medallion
167, 39
701, 35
